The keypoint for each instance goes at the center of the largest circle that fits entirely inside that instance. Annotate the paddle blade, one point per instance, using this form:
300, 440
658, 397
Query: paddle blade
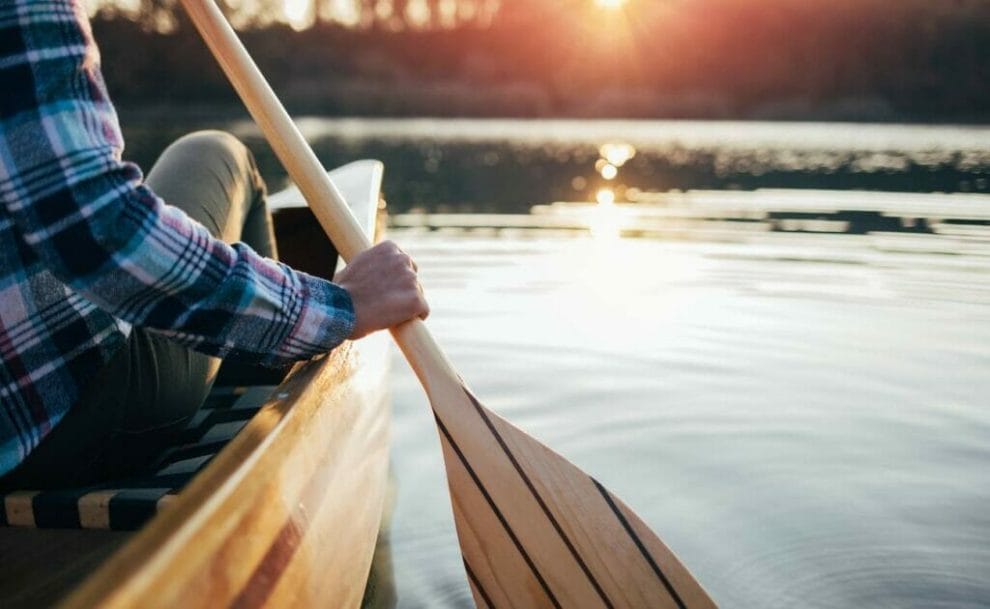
536, 531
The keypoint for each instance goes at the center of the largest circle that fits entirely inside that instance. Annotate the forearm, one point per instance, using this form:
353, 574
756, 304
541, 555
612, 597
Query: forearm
149, 264
90, 221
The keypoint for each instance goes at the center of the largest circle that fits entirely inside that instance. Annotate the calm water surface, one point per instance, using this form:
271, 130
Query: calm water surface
509, 165
804, 419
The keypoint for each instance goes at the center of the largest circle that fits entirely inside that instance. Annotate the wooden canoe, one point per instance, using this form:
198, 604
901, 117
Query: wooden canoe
287, 514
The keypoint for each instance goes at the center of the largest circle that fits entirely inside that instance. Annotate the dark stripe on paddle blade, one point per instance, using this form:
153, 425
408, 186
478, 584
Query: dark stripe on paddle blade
498, 513
639, 544
477, 585
539, 500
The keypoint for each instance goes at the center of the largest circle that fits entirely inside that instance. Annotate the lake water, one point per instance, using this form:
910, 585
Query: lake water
509, 165
803, 419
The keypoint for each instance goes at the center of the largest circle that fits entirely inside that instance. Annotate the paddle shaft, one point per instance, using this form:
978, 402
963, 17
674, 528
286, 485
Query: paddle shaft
535, 531
291, 148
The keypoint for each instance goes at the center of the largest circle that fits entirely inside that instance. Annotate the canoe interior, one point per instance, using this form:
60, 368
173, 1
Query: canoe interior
302, 244
287, 514
41, 565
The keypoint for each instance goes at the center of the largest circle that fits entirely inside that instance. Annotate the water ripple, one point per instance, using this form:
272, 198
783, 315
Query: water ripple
802, 432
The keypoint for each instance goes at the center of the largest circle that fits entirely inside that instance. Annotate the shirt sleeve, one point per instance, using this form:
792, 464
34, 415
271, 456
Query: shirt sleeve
92, 222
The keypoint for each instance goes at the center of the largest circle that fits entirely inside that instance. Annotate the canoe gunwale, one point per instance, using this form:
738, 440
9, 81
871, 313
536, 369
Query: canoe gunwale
324, 428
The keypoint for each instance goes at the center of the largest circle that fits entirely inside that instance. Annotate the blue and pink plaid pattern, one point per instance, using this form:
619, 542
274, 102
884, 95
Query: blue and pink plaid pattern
86, 250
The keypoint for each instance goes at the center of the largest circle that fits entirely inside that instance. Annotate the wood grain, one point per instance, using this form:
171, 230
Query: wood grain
535, 530
288, 513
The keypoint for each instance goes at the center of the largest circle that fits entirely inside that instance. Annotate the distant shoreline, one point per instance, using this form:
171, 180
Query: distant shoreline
656, 135
692, 132
216, 112
508, 165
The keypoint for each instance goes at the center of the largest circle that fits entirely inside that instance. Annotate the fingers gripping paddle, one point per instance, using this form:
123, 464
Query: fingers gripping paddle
535, 531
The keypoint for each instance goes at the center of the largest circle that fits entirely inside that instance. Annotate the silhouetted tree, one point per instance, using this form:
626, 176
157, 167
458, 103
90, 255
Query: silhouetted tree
698, 58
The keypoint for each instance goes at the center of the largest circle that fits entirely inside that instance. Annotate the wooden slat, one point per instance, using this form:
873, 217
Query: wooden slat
287, 515
537, 532
468, 425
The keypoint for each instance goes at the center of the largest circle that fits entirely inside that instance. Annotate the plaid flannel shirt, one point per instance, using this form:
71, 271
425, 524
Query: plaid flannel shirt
86, 250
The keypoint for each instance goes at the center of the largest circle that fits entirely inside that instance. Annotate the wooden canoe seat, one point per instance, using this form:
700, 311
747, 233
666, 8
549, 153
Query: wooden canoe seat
125, 505
286, 515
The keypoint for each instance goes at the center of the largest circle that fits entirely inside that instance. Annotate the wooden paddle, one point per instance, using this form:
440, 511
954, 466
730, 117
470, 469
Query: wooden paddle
535, 531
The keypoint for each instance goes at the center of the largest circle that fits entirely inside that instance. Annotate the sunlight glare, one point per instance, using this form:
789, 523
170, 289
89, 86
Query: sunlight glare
617, 153
605, 222
605, 197
297, 13
610, 4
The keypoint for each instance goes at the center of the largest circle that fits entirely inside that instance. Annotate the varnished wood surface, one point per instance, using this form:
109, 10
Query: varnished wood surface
535, 531
287, 515
302, 244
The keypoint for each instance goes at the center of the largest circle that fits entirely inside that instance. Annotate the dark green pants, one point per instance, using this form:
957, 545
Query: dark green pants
152, 386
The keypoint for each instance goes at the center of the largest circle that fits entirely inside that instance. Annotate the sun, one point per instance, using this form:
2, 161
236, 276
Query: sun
612, 4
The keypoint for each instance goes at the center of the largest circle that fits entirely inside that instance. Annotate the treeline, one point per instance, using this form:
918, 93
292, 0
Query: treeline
919, 60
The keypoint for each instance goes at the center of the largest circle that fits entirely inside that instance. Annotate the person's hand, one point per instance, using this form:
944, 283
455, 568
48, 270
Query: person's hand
383, 287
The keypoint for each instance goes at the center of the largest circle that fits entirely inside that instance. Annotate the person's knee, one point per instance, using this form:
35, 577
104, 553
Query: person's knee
223, 156
213, 145
211, 176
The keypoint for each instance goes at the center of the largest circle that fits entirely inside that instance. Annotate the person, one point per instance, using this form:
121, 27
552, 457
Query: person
119, 294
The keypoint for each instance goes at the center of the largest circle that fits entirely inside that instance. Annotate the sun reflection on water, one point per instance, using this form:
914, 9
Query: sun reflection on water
604, 221
605, 197
608, 170
617, 153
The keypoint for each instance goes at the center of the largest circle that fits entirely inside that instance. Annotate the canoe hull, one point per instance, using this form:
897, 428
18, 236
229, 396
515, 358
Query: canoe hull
287, 514
284, 516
